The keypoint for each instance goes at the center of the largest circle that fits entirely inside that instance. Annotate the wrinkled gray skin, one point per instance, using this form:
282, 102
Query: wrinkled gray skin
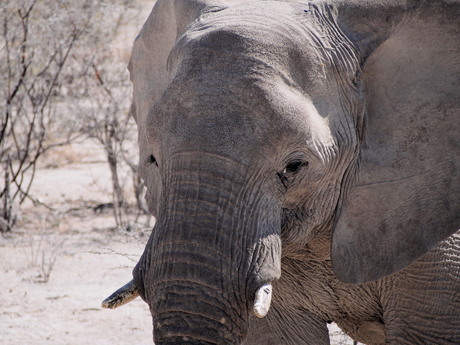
311, 145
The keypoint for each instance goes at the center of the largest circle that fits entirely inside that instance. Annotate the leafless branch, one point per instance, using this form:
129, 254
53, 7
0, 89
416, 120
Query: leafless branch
58, 64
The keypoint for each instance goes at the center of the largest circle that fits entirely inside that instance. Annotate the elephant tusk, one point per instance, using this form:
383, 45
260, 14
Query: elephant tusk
122, 296
262, 300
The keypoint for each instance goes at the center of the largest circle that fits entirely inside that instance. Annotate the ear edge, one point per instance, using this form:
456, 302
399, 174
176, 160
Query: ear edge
358, 253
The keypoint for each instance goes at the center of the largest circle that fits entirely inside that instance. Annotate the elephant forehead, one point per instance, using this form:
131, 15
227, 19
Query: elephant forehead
261, 115
246, 79
206, 121
254, 34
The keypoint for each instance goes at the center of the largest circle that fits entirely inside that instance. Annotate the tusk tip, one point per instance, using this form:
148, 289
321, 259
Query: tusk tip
105, 304
260, 311
120, 297
262, 301
108, 304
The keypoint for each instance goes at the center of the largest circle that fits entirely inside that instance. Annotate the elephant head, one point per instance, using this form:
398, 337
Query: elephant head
265, 124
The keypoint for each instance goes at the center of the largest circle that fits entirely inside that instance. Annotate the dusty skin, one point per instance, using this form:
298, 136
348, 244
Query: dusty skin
92, 259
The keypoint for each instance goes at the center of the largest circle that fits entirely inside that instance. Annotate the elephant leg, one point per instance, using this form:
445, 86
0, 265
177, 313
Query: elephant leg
287, 325
424, 305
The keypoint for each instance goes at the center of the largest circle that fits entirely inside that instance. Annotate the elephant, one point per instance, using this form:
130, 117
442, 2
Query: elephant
302, 162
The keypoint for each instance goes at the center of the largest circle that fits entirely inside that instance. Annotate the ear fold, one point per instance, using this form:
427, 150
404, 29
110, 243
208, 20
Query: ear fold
406, 195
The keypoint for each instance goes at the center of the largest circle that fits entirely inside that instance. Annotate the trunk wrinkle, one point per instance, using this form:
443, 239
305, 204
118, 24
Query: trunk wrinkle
174, 312
207, 249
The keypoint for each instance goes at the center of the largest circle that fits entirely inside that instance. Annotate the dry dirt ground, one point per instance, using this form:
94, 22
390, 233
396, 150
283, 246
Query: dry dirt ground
58, 265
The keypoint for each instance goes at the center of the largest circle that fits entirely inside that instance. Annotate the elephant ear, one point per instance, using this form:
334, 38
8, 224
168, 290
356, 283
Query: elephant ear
148, 63
168, 20
405, 196
149, 72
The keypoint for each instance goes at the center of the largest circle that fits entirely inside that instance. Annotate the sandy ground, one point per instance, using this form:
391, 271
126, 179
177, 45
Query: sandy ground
58, 265
65, 310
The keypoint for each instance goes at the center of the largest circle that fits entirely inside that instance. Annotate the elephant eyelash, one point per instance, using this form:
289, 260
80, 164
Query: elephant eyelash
291, 168
152, 160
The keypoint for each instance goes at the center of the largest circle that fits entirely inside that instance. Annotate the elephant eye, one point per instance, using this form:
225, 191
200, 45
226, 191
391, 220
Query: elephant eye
294, 166
291, 168
152, 160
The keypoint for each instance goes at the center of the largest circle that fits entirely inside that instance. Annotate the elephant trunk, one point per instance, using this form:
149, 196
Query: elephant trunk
212, 250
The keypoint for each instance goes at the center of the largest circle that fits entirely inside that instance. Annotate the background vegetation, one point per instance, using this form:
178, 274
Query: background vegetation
63, 78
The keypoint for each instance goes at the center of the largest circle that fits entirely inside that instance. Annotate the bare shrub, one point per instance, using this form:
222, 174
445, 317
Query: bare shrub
42, 253
62, 80
102, 101
35, 54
